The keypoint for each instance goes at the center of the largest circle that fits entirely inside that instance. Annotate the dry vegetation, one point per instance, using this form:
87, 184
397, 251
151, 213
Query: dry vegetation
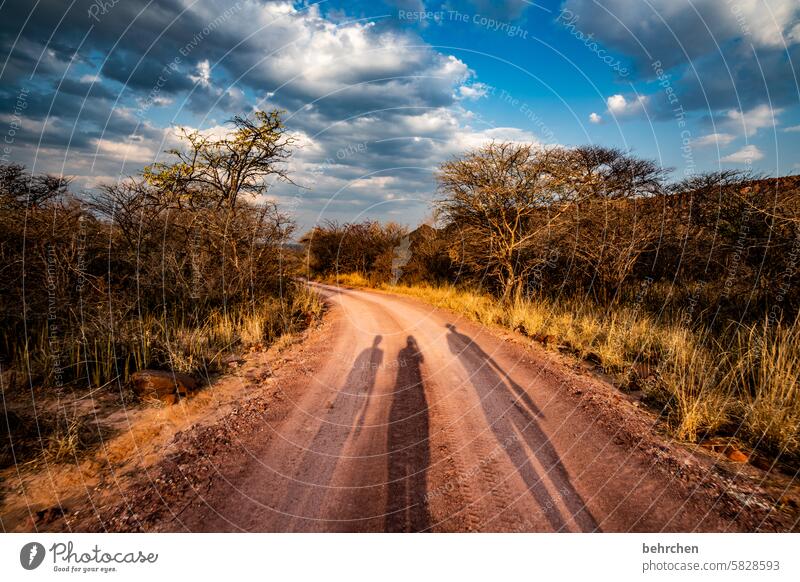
684, 292
174, 270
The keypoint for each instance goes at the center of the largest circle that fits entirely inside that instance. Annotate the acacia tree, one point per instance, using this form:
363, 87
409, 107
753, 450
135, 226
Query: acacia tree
501, 199
221, 169
612, 225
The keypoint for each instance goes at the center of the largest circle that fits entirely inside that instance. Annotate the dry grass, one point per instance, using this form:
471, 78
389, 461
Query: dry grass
764, 373
99, 357
346, 280
743, 384
53, 434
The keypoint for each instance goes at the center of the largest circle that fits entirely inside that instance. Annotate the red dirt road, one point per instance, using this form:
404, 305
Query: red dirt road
411, 419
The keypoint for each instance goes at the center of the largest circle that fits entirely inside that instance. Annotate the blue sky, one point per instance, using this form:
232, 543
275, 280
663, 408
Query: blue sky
379, 93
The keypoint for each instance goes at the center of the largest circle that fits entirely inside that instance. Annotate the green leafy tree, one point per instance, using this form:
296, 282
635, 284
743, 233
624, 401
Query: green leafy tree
217, 171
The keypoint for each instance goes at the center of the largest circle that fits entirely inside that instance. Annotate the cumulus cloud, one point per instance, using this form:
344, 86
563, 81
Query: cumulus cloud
714, 139
473, 91
620, 106
595, 118
747, 154
374, 109
203, 75
752, 121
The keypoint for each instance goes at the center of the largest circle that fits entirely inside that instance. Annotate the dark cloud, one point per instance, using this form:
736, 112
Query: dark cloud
718, 54
374, 108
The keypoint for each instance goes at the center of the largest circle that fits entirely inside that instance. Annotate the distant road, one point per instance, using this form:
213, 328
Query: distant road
410, 419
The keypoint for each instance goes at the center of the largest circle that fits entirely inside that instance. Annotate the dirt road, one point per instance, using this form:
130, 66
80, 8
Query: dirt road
410, 419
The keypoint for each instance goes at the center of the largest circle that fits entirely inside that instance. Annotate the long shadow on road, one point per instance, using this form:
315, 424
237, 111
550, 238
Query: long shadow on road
322, 455
408, 446
509, 410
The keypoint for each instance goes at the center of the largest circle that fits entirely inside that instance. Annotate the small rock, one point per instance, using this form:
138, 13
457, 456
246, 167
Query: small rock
232, 361
735, 455
162, 385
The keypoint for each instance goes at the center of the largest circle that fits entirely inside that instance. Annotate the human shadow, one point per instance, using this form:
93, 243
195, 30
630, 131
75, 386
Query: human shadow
371, 360
495, 389
408, 446
323, 453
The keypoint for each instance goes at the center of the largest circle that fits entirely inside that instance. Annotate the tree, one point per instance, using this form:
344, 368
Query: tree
612, 224
221, 169
367, 248
501, 199
18, 188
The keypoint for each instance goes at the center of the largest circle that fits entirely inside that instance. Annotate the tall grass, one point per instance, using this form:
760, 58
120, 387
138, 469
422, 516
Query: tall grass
176, 341
741, 384
764, 371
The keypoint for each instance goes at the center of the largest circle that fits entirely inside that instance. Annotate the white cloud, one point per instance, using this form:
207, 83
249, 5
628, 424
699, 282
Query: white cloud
311, 55
748, 153
473, 91
469, 138
203, 76
792, 129
714, 139
620, 106
130, 151
769, 25
750, 122
595, 118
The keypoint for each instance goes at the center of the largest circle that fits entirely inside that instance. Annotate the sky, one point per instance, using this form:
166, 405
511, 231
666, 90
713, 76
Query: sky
378, 94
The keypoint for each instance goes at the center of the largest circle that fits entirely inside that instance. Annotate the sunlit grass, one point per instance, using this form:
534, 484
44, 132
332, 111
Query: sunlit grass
741, 383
